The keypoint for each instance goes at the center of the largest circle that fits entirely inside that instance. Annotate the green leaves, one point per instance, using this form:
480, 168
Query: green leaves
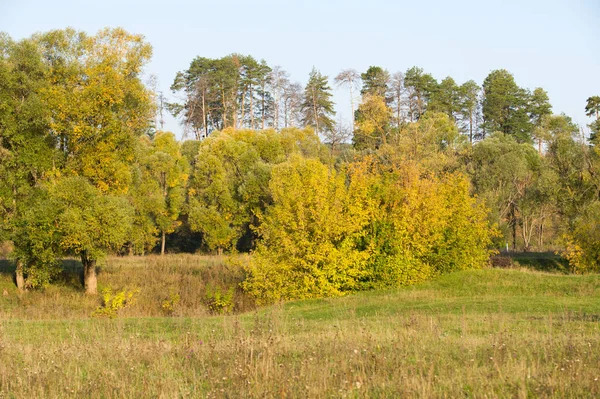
89, 223
317, 107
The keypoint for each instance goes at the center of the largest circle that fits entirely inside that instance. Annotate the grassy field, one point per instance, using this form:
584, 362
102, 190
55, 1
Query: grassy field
488, 333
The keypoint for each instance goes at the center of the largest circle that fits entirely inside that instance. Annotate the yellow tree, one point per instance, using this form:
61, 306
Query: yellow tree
309, 234
98, 107
372, 126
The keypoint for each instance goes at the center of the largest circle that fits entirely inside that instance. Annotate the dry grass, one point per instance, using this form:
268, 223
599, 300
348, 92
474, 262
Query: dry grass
156, 277
483, 334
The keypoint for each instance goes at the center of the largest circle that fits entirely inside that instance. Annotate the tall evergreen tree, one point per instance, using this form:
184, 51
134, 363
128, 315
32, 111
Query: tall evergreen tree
505, 106
592, 109
375, 82
420, 87
317, 107
469, 108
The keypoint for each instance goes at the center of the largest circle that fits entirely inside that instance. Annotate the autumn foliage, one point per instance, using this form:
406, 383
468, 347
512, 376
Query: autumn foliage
330, 232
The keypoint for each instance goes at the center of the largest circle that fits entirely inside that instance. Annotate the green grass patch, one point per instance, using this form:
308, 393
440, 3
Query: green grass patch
485, 333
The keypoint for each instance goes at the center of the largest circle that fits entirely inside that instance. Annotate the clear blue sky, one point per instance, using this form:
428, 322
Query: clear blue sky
552, 44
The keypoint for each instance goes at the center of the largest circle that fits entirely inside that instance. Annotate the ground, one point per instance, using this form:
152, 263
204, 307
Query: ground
485, 333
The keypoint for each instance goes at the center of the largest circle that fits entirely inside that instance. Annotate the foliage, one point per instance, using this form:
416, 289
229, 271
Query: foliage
423, 227
228, 187
583, 243
505, 106
113, 302
219, 300
308, 235
317, 107
328, 233
97, 102
373, 119
89, 223
170, 304
375, 82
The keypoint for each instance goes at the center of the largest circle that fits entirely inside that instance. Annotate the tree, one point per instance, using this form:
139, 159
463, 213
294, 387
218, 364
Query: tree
469, 108
446, 98
505, 106
592, 109
351, 79
503, 172
397, 94
373, 119
89, 222
339, 135
375, 82
308, 235
317, 107
432, 142
420, 87
169, 169
98, 107
539, 107
293, 98
278, 81
28, 154
98, 103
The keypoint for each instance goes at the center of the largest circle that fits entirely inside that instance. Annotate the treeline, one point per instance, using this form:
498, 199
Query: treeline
437, 174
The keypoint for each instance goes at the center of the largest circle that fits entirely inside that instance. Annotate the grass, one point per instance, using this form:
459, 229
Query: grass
486, 333
541, 261
157, 277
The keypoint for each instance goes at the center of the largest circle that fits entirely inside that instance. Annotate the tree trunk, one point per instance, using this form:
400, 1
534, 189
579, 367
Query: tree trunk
162, 245
514, 227
19, 276
315, 111
471, 127
251, 108
90, 281
204, 121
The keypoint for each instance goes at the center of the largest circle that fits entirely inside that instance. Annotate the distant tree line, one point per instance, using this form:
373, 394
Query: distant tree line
430, 178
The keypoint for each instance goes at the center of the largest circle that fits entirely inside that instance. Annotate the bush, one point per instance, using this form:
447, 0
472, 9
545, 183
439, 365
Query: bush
113, 302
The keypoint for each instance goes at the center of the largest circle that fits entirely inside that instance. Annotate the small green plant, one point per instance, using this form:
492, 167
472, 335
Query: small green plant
170, 304
218, 300
113, 302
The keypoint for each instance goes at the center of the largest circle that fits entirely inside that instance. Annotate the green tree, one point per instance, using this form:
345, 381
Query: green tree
169, 169
469, 108
420, 87
503, 172
28, 151
592, 109
539, 108
317, 107
90, 223
446, 98
375, 82
505, 106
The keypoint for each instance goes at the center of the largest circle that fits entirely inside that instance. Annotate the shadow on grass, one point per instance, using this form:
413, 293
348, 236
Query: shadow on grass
540, 261
70, 276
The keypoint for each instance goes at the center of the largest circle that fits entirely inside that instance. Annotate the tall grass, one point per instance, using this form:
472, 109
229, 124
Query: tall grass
158, 279
488, 333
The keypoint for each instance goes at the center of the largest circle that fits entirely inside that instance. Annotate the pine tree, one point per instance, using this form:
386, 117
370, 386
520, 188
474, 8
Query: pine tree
317, 107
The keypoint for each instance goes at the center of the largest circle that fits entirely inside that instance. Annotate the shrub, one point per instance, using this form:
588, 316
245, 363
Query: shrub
113, 302
219, 300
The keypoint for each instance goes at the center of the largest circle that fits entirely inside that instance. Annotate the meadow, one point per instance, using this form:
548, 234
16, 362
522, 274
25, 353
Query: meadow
512, 332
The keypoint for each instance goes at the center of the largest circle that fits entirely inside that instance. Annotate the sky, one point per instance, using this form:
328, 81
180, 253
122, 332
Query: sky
553, 44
